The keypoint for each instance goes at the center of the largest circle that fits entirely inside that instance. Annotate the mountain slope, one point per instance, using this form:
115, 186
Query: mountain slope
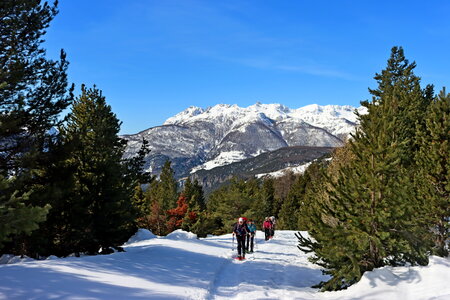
200, 138
264, 163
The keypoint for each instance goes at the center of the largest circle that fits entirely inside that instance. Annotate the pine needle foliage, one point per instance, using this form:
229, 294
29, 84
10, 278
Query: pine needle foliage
433, 165
367, 214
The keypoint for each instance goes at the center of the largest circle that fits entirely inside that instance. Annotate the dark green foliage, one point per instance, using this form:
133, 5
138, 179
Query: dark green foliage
193, 192
196, 206
139, 202
135, 178
402, 101
33, 89
207, 224
160, 197
233, 201
267, 199
288, 217
253, 198
33, 92
166, 188
135, 173
100, 209
369, 216
433, 179
17, 217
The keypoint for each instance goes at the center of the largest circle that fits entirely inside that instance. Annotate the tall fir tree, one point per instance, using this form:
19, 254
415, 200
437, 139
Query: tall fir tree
193, 192
288, 217
233, 201
167, 189
101, 210
136, 178
433, 166
33, 92
161, 196
267, 202
400, 96
370, 216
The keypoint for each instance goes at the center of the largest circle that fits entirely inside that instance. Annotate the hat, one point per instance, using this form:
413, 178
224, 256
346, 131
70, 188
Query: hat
241, 220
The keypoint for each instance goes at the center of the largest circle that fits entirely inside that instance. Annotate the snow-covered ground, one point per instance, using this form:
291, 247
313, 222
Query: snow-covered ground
180, 266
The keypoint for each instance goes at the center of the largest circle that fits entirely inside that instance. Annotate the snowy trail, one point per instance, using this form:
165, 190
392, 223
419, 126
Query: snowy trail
180, 266
272, 271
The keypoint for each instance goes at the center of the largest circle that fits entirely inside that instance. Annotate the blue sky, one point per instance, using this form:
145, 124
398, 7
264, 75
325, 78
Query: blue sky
153, 59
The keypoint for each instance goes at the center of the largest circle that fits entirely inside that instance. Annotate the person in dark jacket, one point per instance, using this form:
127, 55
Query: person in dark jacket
240, 230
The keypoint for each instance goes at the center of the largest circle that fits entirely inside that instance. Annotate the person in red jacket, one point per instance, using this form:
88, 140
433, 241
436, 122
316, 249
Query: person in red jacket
267, 225
240, 229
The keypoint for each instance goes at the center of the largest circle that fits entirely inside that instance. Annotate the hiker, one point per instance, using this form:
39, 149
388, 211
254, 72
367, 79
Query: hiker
240, 230
251, 236
267, 225
272, 233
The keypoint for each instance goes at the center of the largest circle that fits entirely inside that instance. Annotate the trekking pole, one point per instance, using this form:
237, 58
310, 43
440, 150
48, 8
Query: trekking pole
232, 244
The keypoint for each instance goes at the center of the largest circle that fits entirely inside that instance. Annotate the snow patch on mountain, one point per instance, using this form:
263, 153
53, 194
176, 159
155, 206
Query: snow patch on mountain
296, 170
224, 158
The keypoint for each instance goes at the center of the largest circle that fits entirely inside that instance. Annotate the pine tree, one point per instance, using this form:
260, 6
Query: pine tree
33, 92
16, 216
193, 192
267, 203
135, 178
400, 96
161, 196
288, 218
33, 89
282, 186
433, 164
135, 174
101, 212
233, 201
370, 216
167, 188
195, 201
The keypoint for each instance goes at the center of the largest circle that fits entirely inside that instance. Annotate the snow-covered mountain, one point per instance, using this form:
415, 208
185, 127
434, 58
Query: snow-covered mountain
199, 138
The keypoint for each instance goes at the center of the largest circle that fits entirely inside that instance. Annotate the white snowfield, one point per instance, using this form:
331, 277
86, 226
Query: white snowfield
180, 266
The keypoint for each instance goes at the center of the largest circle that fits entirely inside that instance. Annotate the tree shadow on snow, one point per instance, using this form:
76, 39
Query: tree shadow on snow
387, 275
154, 265
40, 282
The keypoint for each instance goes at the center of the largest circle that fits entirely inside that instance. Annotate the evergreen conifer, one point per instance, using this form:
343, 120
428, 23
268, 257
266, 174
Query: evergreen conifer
370, 217
33, 92
433, 166
101, 208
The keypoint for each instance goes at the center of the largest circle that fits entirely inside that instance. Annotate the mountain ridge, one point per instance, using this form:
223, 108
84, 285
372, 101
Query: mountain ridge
199, 138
